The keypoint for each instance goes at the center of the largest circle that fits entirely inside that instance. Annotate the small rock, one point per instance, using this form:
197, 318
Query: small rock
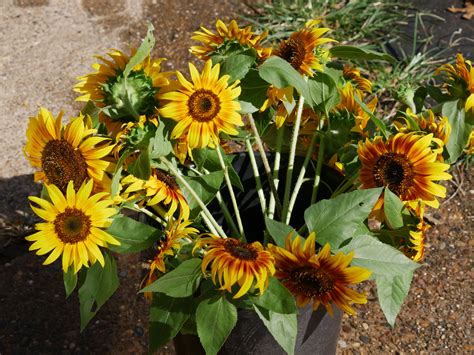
72, 346
365, 326
346, 328
356, 345
29, 282
442, 245
123, 274
138, 331
7, 264
365, 339
342, 344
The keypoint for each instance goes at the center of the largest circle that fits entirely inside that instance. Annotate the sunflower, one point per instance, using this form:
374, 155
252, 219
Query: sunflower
160, 188
107, 85
469, 149
278, 97
213, 43
69, 153
299, 48
318, 278
353, 75
406, 165
416, 247
74, 225
203, 108
233, 262
460, 80
175, 232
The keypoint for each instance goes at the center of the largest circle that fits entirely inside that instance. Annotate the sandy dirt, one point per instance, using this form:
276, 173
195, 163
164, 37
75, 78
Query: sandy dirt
44, 45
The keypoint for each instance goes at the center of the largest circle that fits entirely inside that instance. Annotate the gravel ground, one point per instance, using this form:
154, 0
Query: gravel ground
44, 45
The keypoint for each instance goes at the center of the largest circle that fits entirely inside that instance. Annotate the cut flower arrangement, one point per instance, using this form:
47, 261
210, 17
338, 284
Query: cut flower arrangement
158, 162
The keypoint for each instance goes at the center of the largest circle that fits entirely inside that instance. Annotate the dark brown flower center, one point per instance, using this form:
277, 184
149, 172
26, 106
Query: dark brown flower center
166, 178
72, 225
241, 251
204, 105
293, 51
394, 171
62, 163
311, 282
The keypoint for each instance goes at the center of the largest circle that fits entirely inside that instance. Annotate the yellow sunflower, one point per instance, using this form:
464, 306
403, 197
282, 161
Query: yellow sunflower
215, 42
353, 75
318, 278
233, 262
74, 225
299, 48
67, 153
406, 165
203, 108
416, 247
171, 241
106, 85
470, 144
460, 80
277, 97
160, 188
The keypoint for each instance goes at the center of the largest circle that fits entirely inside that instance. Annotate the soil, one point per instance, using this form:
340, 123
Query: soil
44, 45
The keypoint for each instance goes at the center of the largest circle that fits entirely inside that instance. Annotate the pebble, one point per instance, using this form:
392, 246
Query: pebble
123, 274
29, 282
342, 344
365, 326
442, 245
138, 331
7, 264
364, 338
356, 345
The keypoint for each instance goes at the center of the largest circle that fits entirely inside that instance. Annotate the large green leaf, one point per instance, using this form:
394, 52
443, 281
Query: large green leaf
460, 130
337, 219
205, 186
279, 231
391, 292
283, 327
382, 259
142, 52
392, 208
215, 319
254, 91
238, 65
167, 316
281, 74
160, 146
70, 280
141, 167
323, 91
133, 236
99, 285
276, 298
181, 282
359, 53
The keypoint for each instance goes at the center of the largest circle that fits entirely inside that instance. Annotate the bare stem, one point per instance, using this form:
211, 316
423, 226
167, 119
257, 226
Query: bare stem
319, 165
276, 169
256, 175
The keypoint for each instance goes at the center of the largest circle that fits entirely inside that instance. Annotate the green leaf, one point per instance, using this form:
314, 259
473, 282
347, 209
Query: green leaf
254, 90
336, 220
377, 121
133, 236
460, 130
180, 282
160, 146
141, 167
359, 53
167, 316
279, 231
382, 259
323, 91
392, 207
93, 111
281, 74
215, 319
276, 298
238, 65
283, 327
142, 52
206, 186
391, 292
99, 285
209, 159
70, 281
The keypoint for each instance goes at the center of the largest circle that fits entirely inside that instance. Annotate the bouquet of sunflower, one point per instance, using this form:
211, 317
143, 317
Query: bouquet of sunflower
268, 181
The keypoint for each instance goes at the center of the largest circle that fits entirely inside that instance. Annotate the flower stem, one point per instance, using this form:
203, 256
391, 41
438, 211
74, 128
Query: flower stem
342, 188
266, 165
319, 165
276, 169
299, 181
231, 192
256, 175
193, 193
291, 159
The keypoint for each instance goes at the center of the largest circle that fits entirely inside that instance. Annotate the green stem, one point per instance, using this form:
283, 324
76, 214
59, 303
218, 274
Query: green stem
261, 195
266, 165
225, 168
150, 214
276, 169
319, 165
291, 159
201, 204
299, 181
208, 223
